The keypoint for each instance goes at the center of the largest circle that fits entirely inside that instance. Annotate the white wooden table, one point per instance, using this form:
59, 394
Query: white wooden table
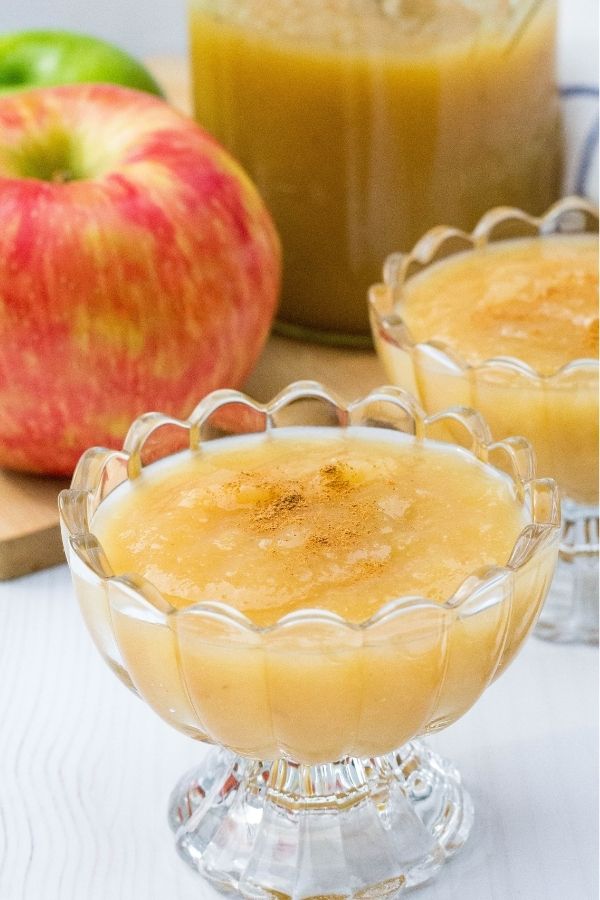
86, 770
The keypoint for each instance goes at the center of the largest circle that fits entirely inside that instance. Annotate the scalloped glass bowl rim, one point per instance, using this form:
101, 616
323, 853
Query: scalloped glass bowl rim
397, 265
84, 543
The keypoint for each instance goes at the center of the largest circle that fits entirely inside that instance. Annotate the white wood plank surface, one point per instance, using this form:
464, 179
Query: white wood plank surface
86, 770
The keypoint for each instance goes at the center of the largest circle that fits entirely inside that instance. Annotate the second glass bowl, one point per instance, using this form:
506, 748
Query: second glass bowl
558, 414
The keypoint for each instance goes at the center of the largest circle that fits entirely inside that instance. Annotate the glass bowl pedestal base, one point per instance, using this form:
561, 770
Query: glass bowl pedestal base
358, 828
570, 612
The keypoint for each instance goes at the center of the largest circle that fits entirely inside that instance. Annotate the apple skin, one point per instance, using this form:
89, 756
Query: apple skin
143, 283
46, 58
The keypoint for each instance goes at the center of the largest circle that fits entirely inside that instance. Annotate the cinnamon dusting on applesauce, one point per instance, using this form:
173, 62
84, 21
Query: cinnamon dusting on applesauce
303, 512
339, 524
336, 477
535, 299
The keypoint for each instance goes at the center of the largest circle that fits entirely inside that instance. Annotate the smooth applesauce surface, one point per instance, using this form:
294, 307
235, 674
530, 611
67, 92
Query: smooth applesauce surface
341, 521
534, 299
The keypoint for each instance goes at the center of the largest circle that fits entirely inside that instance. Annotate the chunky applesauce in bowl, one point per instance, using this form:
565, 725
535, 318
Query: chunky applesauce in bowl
505, 320
312, 593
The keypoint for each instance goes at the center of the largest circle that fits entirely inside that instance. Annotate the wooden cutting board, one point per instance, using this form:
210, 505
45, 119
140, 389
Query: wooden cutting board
29, 531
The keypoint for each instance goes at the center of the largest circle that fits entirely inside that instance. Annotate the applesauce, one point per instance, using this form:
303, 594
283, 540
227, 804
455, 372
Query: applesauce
533, 301
364, 123
342, 522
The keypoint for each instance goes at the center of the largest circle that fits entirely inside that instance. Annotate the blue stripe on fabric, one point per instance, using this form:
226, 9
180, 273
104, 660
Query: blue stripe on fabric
587, 156
578, 90
590, 142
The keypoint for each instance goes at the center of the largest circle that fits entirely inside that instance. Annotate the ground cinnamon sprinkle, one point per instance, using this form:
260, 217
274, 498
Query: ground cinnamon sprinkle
336, 477
278, 509
308, 505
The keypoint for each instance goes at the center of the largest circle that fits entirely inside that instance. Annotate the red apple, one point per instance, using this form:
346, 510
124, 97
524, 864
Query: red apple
139, 269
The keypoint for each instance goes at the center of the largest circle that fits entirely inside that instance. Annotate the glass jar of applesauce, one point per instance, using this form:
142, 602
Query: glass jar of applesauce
366, 122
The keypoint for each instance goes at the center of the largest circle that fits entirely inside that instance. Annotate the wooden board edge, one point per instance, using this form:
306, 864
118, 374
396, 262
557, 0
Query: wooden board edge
28, 553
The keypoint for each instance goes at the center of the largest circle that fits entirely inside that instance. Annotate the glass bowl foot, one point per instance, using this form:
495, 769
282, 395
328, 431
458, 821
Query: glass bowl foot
570, 612
358, 828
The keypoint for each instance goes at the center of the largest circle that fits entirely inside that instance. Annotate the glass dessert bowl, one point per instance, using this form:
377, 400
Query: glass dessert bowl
517, 388
308, 794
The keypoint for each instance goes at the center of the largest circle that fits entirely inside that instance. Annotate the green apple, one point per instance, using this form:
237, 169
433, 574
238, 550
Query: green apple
46, 58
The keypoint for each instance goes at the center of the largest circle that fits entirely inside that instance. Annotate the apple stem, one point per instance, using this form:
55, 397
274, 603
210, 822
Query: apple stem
61, 176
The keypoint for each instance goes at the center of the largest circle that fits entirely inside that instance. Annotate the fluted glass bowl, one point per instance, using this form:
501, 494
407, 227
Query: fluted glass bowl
328, 700
557, 413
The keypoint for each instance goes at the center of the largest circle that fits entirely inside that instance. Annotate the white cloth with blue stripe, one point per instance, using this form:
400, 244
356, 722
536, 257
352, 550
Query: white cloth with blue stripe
578, 78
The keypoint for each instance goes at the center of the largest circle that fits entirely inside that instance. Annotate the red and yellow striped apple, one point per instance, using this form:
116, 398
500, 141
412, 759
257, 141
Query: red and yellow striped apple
139, 269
